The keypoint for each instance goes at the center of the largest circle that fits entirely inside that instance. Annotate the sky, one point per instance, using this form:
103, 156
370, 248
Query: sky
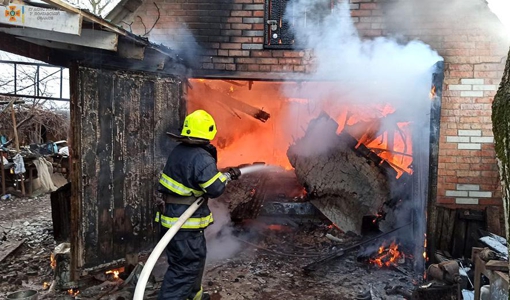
502, 9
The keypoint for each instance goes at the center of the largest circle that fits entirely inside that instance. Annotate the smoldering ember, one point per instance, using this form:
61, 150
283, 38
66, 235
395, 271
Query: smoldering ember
347, 149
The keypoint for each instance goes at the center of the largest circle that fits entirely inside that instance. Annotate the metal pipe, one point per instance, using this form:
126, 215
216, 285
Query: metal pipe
165, 240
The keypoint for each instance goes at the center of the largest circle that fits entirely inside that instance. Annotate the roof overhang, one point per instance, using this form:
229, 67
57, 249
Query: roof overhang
60, 34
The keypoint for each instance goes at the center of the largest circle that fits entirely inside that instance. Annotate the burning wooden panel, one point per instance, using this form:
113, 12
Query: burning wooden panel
346, 183
119, 146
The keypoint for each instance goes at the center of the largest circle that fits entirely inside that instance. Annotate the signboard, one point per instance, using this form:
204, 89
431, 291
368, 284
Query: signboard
41, 18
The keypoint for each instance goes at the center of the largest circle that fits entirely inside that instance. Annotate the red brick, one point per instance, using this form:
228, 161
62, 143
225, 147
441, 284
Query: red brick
487, 74
265, 68
230, 46
299, 68
461, 67
238, 53
461, 74
267, 61
258, 13
468, 173
360, 13
242, 26
253, 67
258, 26
447, 159
276, 68
232, 20
241, 13
262, 53
445, 200
497, 202
289, 61
293, 54
240, 39
368, 6
244, 60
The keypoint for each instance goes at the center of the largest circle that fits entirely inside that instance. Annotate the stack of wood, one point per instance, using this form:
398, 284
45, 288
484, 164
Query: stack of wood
343, 181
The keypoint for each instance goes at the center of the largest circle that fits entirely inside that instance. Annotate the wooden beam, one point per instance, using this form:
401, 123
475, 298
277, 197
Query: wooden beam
53, 45
128, 49
11, 44
89, 38
41, 18
89, 16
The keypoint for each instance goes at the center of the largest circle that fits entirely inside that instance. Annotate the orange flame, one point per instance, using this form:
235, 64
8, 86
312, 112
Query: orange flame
53, 262
386, 256
432, 94
115, 272
73, 292
242, 139
46, 285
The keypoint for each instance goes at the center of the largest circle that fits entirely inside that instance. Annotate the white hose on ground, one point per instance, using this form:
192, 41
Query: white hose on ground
156, 253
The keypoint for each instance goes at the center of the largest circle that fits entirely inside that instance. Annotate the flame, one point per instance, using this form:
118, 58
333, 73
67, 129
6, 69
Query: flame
53, 262
46, 285
386, 256
432, 94
425, 248
73, 292
333, 225
115, 272
243, 139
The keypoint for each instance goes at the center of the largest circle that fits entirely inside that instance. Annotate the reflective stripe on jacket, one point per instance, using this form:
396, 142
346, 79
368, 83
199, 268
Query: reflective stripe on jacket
191, 223
191, 171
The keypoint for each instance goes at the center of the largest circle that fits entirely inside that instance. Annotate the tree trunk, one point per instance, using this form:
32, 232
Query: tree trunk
501, 129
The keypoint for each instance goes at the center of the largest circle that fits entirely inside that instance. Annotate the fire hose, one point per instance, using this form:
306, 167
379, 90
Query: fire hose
156, 253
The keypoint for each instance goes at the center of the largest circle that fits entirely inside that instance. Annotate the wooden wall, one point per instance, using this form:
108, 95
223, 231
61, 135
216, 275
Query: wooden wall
119, 147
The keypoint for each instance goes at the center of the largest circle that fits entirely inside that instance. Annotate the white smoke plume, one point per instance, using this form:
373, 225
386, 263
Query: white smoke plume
360, 71
221, 242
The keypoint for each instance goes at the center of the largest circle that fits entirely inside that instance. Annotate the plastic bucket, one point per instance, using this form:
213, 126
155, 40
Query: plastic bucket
23, 295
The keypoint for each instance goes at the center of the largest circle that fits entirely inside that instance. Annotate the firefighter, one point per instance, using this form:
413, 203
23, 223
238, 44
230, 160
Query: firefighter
190, 172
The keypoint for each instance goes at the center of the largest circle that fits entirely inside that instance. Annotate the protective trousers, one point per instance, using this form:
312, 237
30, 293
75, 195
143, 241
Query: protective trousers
186, 255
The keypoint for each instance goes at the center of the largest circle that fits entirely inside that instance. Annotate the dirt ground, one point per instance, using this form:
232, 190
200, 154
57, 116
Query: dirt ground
28, 267
266, 264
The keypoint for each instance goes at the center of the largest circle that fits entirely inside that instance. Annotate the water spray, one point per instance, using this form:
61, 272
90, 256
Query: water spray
258, 168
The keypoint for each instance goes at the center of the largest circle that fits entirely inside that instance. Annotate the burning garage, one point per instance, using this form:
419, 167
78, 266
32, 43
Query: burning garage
371, 133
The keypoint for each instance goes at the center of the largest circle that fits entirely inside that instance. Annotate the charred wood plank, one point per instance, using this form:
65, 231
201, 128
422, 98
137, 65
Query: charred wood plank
337, 254
231, 102
7, 248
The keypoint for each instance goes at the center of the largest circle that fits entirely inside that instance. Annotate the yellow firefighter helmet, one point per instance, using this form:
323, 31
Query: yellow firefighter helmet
199, 124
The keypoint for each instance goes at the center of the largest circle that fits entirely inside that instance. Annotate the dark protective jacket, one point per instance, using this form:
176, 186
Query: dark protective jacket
190, 171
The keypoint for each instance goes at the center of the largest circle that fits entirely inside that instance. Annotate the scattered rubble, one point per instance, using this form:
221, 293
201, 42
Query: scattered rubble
28, 266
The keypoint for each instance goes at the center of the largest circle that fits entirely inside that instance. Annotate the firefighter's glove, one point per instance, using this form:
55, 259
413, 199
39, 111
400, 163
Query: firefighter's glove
234, 173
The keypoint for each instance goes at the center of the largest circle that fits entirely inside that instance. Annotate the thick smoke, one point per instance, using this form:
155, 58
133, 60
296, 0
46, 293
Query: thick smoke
361, 71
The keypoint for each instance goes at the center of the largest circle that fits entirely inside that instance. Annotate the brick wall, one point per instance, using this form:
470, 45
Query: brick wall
231, 33
468, 37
